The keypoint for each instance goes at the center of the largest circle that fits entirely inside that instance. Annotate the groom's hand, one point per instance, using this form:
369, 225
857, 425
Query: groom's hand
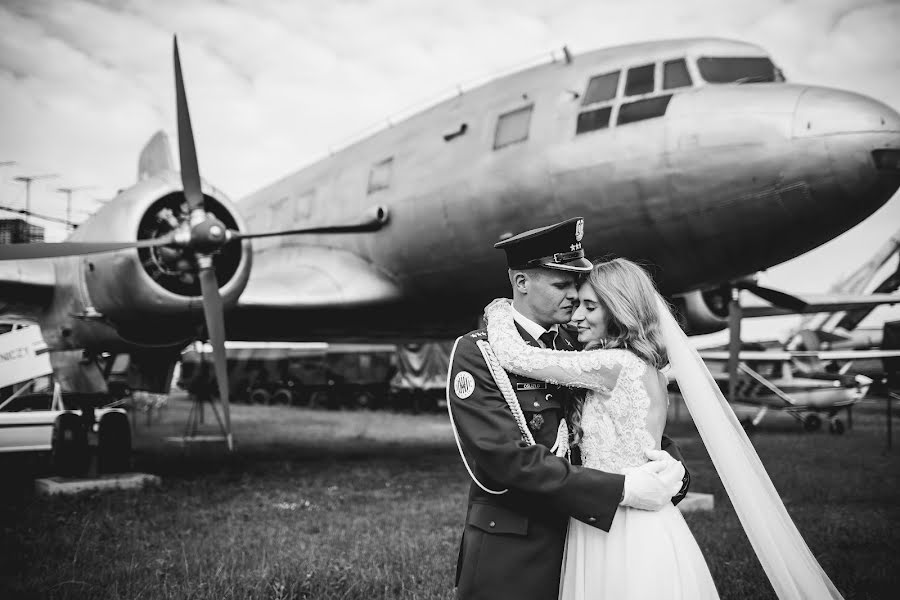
649, 487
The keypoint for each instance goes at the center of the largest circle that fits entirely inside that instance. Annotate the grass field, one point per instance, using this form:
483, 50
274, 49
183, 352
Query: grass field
319, 504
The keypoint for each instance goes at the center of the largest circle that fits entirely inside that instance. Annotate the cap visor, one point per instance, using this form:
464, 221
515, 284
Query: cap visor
580, 265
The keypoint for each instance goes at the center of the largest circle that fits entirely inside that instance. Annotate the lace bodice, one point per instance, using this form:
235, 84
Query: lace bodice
614, 418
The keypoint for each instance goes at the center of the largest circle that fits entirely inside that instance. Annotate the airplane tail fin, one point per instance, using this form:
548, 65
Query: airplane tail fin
155, 157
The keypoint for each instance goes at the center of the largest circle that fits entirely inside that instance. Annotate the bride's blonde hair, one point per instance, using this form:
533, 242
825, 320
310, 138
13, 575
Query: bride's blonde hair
629, 297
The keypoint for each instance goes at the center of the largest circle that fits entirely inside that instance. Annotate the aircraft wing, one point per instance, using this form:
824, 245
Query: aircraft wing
784, 355
816, 303
25, 285
310, 277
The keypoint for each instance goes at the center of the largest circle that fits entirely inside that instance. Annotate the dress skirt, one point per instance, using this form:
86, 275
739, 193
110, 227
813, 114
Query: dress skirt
645, 556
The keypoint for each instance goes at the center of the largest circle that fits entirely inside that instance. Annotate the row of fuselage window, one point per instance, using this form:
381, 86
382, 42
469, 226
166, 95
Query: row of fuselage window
596, 112
602, 90
597, 101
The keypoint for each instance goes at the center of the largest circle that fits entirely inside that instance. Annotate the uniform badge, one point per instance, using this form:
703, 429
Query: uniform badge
531, 386
463, 384
579, 230
536, 422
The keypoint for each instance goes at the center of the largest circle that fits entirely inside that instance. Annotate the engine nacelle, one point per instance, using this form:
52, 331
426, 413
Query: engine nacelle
148, 297
704, 311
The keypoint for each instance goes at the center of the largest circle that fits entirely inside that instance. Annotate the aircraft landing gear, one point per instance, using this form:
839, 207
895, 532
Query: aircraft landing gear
113, 443
812, 422
836, 426
70, 454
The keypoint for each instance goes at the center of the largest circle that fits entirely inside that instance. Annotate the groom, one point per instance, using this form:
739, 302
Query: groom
521, 496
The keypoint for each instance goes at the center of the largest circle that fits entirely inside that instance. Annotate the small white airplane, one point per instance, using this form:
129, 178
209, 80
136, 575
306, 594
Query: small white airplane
768, 379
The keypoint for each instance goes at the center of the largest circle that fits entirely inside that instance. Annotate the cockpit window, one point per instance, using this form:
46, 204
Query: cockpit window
675, 74
590, 120
737, 69
639, 80
640, 110
601, 88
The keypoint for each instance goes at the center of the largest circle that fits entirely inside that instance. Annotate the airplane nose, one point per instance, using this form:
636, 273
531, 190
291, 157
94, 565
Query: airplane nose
861, 138
825, 111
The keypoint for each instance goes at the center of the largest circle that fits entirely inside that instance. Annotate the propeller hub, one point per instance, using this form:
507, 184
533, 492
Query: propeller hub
208, 235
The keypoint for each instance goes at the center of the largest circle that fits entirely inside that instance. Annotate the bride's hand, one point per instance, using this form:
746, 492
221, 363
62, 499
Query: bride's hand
496, 305
673, 472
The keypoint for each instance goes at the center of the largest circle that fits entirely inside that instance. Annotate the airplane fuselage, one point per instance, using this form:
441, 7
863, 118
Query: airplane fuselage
669, 158
702, 182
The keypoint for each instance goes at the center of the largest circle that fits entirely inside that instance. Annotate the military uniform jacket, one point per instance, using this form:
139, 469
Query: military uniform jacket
513, 542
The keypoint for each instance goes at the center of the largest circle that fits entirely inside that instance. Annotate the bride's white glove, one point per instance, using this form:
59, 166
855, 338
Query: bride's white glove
673, 474
652, 485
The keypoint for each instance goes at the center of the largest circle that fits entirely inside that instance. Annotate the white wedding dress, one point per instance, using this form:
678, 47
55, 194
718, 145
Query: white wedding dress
645, 555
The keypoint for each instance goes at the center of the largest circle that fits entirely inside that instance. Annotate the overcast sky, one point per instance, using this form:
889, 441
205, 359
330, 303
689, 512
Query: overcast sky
273, 85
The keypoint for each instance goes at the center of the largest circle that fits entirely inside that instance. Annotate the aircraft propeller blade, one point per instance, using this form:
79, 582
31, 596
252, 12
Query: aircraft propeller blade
214, 313
776, 297
58, 249
190, 172
735, 315
373, 225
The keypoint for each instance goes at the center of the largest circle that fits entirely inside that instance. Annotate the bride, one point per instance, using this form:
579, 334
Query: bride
629, 336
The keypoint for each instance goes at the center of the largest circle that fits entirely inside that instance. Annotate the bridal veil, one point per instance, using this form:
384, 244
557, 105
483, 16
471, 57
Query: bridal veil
788, 562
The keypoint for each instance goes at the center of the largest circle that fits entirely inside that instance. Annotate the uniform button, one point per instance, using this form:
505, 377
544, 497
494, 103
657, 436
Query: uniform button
592, 519
492, 524
549, 397
537, 404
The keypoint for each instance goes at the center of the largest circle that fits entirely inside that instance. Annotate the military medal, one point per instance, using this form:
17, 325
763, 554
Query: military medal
536, 422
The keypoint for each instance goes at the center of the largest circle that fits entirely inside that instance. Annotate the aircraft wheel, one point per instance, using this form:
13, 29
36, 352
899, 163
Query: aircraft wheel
836, 426
319, 399
282, 396
364, 400
812, 422
260, 396
301, 397
114, 443
70, 454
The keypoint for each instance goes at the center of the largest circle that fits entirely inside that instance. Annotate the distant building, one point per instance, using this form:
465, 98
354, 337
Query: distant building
17, 231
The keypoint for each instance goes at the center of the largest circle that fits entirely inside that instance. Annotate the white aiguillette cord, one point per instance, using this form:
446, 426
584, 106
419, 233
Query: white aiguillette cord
561, 447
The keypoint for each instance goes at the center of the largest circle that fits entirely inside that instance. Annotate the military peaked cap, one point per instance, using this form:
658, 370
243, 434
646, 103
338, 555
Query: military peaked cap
554, 247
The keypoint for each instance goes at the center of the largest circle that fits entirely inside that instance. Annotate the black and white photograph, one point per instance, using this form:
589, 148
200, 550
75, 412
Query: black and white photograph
422, 300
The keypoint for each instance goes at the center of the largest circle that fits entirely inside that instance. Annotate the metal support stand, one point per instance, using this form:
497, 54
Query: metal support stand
890, 418
201, 393
196, 415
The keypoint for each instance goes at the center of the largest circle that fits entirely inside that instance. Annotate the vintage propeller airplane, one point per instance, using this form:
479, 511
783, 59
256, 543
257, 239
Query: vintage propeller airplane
694, 156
